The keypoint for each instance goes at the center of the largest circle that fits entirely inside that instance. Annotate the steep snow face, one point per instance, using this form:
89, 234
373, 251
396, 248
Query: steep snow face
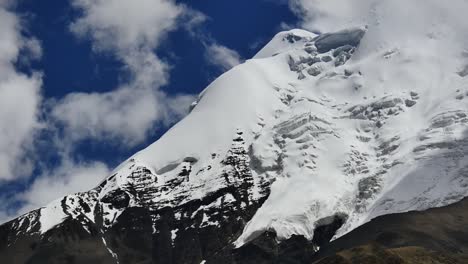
384, 132
339, 135
51, 215
239, 99
319, 126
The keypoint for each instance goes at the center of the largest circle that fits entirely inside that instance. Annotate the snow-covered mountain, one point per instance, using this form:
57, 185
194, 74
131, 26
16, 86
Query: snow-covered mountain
314, 136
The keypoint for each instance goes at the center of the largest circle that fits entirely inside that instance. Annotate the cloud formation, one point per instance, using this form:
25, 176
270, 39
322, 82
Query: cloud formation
125, 115
222, 56
126, 25
68, 178
20, 98
130, 31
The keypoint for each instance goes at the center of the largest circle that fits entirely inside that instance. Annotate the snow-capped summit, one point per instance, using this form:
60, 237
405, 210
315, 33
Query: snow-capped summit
285, 41
315, 130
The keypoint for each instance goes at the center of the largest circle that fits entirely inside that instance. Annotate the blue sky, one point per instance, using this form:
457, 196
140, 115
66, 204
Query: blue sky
80, 63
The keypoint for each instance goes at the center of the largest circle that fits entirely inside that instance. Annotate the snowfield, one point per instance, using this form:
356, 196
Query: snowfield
345, 124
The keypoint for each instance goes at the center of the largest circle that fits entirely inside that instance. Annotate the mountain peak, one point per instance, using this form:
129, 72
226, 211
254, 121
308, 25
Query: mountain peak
313, 137
284, 41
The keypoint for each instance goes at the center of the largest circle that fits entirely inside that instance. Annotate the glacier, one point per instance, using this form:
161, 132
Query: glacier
314, 127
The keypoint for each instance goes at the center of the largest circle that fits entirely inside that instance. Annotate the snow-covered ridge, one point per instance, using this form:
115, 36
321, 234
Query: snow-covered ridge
285, 41
321, 125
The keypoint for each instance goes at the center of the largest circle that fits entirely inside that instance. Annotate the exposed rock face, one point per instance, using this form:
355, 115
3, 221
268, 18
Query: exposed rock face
344, 40
132, 226
433, 236
325, 51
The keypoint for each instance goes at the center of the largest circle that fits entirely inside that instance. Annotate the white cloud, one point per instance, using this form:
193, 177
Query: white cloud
68, 178
20, 107
125, 25
222, 56
131, 31
20, 98
127, 114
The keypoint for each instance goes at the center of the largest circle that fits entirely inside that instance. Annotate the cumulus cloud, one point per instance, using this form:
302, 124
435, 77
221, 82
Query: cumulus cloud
125, 25
20, 98
130, 31
126, 114
222, 56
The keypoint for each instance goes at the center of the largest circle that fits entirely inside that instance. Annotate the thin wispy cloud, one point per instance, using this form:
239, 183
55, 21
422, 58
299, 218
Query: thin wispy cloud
222, 56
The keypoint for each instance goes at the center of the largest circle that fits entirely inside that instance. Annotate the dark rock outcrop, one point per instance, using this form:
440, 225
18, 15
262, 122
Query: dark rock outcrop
346, 38
438, 235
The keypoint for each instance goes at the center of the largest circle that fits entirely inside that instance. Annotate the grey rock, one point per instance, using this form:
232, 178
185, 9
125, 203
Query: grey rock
437, 145
301, 76
345, 48
348, 72
326, 58
291, 38
329, 41
191, 160
464, 72
310, 49
444, 120
293, 65
388, 147
368, 187
312, 60
342, 59
409, 103
193, 105
314, 71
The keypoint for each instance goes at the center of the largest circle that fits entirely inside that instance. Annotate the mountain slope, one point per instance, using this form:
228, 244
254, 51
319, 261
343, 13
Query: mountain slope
313, 137
437, 235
